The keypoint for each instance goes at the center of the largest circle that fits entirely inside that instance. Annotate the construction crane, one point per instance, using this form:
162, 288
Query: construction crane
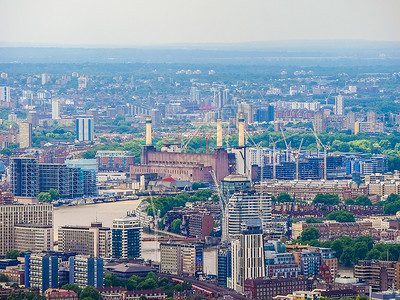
223, 203
184, 147
274, 152
155, 216
287, 146
297, 154
326, 148
288, 225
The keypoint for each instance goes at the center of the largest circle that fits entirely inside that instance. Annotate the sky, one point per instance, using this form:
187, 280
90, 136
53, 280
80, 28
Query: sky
160, 22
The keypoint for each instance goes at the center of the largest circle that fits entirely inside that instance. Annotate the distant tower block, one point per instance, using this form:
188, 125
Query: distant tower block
219, 133
148, 131
241, 131
55, 113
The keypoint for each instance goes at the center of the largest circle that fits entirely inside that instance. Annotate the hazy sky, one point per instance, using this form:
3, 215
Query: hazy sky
148, 22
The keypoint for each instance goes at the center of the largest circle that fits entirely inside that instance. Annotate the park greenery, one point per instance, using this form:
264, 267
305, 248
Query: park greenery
137, 283
350, 250
44, 136
166, 203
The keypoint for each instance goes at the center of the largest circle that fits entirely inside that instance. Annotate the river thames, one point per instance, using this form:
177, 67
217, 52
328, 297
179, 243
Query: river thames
83, 215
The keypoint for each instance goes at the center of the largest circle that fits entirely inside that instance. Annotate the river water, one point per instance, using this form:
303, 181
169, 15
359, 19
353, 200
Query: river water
83, 215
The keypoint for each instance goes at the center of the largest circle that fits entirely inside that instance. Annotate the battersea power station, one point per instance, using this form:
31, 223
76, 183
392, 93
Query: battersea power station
184, 166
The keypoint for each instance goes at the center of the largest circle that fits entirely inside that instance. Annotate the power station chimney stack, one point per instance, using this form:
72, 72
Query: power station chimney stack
241, 131
219, 133
148, 131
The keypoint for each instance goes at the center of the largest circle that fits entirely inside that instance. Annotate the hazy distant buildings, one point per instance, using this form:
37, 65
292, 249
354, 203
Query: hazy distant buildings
338, 109
45, 78
195, 95
84, 129
25, 135
55, 112
5, 93
82, 82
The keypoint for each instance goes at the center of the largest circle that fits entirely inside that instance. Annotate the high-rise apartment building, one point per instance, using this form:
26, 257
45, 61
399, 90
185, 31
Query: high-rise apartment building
182, 258
24, 176
41, 271
33, 237
194, 95
94, 241
25, 135
247, 205
55, 109
29, 178
224, 272
86, 270
5, 93
84, 129
338, 109
11, 215
126, 238
248, 255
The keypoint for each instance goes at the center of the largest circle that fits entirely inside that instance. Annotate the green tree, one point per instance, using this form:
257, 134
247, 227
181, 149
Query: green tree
309, 234
72, 287
349, 201
363, 200
341, 216
360, 251
54, 194
311, 220
284, 197
347, 256
176, 226
13, 254
44, 197
111, 280
90, 291
330, 199
337, 246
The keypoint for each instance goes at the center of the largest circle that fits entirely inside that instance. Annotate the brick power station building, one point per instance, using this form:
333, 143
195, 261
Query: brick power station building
184, 166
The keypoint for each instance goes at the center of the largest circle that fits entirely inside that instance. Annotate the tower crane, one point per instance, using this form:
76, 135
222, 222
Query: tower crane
297, 154
184, 147
274, 152
326, 148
